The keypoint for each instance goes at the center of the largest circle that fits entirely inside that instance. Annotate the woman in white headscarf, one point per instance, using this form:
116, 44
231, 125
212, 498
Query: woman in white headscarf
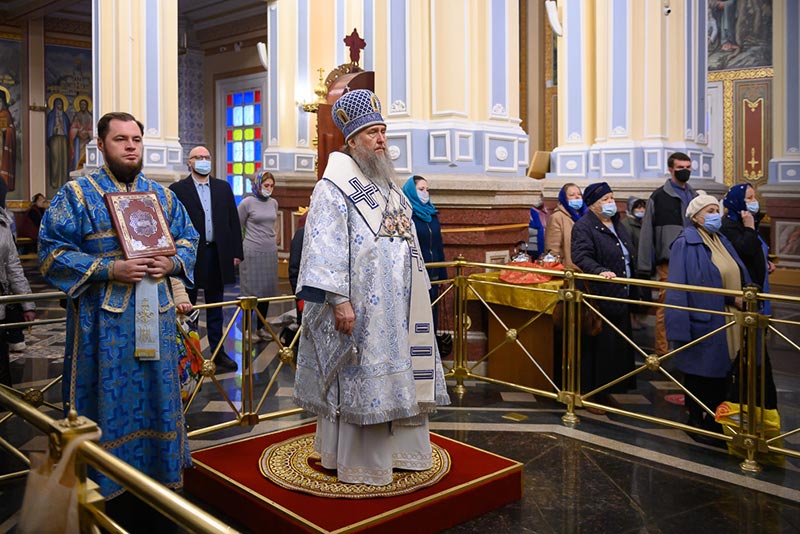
702, 256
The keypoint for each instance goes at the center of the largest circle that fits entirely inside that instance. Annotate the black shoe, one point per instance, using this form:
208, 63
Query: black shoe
707, 440
225, 362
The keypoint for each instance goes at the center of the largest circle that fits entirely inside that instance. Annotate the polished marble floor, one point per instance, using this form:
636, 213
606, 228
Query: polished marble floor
608, 473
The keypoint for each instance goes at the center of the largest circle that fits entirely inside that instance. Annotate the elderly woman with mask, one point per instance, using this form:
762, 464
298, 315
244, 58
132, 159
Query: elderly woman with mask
740, 226
558, 232
701, 256
602, 246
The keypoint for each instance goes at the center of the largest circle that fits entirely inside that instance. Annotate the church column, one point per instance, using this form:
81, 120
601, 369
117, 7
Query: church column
134, 54
35, 165
784, 167
782, 191
632, 84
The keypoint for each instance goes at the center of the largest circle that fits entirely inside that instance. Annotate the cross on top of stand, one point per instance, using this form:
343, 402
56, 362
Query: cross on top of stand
356, 44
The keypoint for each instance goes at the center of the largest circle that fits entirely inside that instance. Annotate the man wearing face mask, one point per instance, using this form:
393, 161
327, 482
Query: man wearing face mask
663, 221
212, 209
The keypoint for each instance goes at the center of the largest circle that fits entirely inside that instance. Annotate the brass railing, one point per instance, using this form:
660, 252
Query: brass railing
460, 291
90, 503
752, 328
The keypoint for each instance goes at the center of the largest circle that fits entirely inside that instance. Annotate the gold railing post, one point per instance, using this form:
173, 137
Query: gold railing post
62, 431
570, 336
460, 328
753, 429
248, 305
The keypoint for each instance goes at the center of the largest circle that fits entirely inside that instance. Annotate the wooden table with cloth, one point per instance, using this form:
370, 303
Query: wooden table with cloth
515, 305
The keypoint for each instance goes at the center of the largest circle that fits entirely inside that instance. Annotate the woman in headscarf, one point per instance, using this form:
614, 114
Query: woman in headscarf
429, 232
602, 246
701, 256
258, 272
740, 226
558, 232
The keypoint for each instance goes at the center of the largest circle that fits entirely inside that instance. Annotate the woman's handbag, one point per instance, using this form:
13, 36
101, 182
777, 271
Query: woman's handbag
50, 505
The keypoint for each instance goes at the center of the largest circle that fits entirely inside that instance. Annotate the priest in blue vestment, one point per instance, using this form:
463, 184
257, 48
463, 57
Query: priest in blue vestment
134, 399
367, 363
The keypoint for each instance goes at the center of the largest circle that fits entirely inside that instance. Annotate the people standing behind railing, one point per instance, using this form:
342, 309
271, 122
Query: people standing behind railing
558, 231
701, 256
112, 374
429, 233
29, 226
633, 224
601, 245
210, 204
12, 282
740, 226
258, 272
539, 215
663, 221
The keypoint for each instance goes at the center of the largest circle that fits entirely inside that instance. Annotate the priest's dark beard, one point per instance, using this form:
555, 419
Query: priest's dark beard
376, 167
123, 171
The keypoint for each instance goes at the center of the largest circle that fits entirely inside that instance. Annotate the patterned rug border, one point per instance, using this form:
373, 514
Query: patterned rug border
297, 475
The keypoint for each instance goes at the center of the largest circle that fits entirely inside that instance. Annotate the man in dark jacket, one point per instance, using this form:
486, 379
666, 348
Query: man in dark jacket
663, 221
212, 209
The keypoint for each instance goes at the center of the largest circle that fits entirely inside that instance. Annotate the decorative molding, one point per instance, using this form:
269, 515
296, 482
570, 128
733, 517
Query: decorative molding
469, 155
398, 106
304, 163
501, 153
400, 143
432, 155
498, 110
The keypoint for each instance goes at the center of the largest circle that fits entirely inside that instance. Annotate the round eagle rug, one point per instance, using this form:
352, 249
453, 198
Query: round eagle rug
290, 465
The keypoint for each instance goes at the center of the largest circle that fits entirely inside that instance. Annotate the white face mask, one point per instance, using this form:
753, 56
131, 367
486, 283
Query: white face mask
266, 192
424, 197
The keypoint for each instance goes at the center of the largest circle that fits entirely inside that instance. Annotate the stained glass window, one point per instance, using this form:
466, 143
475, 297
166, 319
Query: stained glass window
243, 139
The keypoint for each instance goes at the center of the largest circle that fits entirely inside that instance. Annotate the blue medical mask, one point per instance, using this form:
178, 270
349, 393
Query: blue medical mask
575, 203
609, 209
202, 167
752, 207
712, 222
424, 196
638, 214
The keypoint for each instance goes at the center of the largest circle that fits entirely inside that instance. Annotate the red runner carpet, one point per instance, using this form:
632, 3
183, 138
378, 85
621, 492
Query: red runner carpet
228, 477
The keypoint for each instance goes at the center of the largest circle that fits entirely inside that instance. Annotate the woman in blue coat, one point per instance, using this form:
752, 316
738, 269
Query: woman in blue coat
429, 232
601, 245
702, 256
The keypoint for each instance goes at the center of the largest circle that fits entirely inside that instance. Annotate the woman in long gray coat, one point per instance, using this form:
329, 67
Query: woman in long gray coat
258, 272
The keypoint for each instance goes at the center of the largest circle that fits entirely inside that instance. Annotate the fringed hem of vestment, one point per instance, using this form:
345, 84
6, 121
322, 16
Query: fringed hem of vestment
359, 419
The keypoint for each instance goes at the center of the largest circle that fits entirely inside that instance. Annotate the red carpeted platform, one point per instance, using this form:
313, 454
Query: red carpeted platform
228, 477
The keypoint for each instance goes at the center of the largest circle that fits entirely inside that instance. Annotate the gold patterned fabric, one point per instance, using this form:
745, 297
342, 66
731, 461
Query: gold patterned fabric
523, 297
290, 465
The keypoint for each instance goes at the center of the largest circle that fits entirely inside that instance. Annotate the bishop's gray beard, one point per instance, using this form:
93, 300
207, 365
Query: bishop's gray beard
375, 167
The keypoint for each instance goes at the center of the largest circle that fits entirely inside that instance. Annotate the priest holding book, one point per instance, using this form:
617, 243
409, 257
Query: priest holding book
120, 364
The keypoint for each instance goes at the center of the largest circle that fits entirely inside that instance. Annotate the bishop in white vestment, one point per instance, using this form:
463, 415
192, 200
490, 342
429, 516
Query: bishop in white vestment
367, 363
